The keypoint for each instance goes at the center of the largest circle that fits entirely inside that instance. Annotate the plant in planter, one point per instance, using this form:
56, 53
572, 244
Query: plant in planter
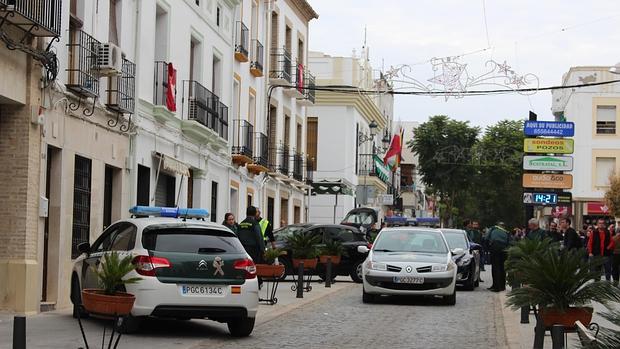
108, 300
269, 268
304, 249
332, 249
521, 251
562, 284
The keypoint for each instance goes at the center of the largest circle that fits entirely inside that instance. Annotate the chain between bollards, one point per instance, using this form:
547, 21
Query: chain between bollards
19, 332
300, 280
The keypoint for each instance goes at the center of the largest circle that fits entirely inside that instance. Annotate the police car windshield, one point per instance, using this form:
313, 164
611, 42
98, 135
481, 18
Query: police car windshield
199, 241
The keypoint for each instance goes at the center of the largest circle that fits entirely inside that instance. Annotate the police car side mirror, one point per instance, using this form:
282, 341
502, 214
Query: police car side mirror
84, 247
363, 249
458, 251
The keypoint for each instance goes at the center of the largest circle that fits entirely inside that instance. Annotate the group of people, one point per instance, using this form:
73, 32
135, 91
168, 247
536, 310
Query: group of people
601, 240
254, 232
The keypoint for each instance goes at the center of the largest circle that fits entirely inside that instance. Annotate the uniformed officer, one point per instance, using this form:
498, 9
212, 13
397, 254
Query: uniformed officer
266, 229
250, 235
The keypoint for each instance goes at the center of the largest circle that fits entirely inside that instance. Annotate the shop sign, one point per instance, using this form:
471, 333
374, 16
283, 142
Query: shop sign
549, 128
548, 145
547, 163
550, 181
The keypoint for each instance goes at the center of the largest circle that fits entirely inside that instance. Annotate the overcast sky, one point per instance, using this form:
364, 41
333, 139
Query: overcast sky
542, 37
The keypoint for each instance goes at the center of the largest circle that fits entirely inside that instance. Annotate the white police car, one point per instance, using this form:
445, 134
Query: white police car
189, 268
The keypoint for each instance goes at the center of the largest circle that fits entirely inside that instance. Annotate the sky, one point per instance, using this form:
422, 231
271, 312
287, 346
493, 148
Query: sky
540, 37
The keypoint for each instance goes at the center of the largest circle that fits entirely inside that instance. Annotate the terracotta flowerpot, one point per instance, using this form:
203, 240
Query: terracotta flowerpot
269, 270
309, 263
335, 259
552, 316
96, 302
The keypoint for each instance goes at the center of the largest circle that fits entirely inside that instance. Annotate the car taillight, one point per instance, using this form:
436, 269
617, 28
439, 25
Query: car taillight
146, 265
248, 267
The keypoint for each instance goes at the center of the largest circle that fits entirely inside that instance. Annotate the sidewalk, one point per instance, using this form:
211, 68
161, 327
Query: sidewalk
58, 329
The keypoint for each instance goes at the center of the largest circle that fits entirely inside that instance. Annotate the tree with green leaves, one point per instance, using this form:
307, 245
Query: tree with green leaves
443, 148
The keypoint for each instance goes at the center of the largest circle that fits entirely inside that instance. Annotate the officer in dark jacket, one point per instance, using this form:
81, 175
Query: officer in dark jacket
499, 240
250, 235
535, 233
572, 241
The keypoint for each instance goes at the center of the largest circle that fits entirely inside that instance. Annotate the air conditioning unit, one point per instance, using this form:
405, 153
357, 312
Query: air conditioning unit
109, 60
195, 111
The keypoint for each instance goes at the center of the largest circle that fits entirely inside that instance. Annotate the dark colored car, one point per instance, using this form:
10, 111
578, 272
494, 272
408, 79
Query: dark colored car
468, 263
350, 238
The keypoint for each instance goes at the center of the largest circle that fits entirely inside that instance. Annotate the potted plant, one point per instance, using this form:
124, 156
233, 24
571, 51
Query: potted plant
108, 300
562, 284
270, 268
522, 250
303, 247
333, 249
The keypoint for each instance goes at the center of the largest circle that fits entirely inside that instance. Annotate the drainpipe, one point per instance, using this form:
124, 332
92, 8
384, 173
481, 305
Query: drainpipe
133, 135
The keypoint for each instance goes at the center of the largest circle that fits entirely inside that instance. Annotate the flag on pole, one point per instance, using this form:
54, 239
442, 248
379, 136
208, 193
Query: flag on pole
393, 157
171, 90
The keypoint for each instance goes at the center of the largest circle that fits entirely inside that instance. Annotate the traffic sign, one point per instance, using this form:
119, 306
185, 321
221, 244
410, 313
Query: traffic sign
548, 145
544, 198
550, 181
547, 163
549, 128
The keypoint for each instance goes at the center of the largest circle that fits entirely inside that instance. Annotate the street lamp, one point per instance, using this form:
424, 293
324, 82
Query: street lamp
363, 138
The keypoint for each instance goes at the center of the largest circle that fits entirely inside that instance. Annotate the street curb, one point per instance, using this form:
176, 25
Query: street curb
503, 340
512, 324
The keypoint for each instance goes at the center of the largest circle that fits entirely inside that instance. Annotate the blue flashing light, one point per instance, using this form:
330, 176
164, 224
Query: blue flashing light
173, 212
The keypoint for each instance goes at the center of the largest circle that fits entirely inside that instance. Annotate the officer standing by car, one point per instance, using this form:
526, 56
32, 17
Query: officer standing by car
250, 235
266, 229
499, 240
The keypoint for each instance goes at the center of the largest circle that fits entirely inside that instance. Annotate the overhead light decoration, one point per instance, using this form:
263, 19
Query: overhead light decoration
453, 79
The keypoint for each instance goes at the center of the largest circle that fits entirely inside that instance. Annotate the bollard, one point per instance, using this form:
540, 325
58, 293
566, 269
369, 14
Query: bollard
328, 272
539, 334
525, 315
300, 280
557, 337
19, 332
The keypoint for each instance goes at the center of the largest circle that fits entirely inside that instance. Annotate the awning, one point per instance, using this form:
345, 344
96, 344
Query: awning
332, 187
598, 208
172, 165
383, 172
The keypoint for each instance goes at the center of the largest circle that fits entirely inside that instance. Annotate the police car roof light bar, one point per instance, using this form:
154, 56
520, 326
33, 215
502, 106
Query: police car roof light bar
173, 212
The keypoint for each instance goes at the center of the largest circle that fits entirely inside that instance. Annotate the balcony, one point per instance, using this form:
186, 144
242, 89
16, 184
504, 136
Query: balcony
83, 78
261, 154
298, 167
297, 90
243, 142
279, 161
241, 42
371, 165
309, 92
122, 89
35, 17
309, 171
280, 67
256, 62
204, 107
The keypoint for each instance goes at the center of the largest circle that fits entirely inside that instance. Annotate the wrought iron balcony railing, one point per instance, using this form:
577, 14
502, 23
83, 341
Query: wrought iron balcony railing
83, 77
243, 138
261, 150
309, 171
256, 61
204, 106
241, 42
35, 17
122, 89
310, 92
298, 166
284, 159
160, 83
366, 165
280, 65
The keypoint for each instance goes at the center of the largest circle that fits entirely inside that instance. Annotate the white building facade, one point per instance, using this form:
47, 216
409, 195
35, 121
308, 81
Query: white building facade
596, 113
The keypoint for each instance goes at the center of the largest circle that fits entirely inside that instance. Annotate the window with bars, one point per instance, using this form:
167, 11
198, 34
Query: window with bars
81, 203
606, 119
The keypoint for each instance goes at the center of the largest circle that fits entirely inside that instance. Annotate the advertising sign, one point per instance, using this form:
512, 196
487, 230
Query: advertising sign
548, 145
547, 163
549, 128
551, 181
547, 198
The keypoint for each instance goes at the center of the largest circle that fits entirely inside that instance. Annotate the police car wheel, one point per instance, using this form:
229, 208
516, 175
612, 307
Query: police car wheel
241, 327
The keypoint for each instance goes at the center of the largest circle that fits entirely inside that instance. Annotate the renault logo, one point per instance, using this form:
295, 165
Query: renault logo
202, 265
409, 269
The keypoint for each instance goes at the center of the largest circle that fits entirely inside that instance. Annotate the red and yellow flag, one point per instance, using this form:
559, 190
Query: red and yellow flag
393, 157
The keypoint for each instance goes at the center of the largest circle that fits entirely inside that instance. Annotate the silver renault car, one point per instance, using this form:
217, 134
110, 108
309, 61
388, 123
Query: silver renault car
409, 261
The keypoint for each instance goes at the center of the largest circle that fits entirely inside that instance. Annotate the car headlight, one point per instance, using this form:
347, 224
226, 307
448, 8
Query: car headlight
439, 268
376, 266
451, 265
463, 261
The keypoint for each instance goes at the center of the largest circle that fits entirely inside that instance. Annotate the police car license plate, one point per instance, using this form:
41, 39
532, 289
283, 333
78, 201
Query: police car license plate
408, 280
202, 290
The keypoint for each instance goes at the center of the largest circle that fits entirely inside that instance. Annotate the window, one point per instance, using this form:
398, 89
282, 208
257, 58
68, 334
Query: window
144, 181
296, 214
254, 19
272, 126
283, 212
191, 240
270, 209
124, 239
312, 132
236, 97
216, 83
165, 190
300, 51
604, 168
234, 201
115, 22
104, 242
213, 201
195, 60
108, 186
250, 199
161, 34
288, 39
606, 119
287, 130
81, 203
298, 138
252, 110
218, 13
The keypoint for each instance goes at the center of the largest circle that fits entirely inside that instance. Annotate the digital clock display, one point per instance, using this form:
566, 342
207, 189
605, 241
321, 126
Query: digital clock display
545, 198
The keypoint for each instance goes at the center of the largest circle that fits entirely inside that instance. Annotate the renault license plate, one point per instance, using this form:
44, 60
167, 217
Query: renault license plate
408, 280
202, 290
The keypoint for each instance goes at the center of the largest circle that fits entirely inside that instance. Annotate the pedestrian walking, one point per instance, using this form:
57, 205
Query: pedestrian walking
230, 223
250, 236
266, 229
572, 241
601, 244
499, 240
615, 265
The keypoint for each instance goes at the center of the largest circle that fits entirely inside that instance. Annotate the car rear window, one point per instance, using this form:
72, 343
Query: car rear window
191, 241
